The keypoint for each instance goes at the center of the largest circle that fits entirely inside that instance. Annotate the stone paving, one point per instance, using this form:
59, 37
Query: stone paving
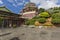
25, 33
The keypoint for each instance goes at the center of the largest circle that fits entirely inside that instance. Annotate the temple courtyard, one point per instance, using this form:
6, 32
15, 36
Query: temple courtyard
27, 33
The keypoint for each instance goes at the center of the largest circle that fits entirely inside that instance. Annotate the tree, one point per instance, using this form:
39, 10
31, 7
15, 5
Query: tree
41, 10
54, 10
56, 21
56, 18
56, 15
44, 14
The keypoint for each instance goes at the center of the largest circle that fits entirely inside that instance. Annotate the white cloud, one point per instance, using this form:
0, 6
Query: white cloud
16, 5
37, 1
46, 3
20, 4
55, 1
1, 2
11, 1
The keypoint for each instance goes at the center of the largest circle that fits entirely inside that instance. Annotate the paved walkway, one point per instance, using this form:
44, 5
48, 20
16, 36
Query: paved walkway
25, 33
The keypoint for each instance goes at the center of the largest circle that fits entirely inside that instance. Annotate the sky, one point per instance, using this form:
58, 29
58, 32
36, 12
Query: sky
46, 3
1, 3
14, 6
39, 3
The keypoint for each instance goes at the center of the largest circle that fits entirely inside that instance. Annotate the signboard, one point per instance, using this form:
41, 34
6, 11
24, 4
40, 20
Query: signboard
15, 6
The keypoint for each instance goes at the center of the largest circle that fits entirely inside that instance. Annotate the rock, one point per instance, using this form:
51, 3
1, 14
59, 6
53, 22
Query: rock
40, 27
31, 26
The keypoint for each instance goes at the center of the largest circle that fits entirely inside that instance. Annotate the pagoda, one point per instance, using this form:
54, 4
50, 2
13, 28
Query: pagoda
29, 11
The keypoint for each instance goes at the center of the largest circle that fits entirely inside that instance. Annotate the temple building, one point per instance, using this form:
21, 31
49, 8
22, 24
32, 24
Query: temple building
29, 11
9, 19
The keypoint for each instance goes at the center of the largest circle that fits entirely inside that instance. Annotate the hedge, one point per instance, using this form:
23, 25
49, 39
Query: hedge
44, 14
42, 20
30, 22
56, 21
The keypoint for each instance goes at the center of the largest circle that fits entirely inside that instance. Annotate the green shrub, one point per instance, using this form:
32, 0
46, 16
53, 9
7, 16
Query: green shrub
56, 15
30, 22
36, 17
41, 20
27, 22
44, 14
56, 18
56, 21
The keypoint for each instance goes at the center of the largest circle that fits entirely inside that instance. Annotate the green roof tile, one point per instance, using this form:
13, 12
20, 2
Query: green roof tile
4, 9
